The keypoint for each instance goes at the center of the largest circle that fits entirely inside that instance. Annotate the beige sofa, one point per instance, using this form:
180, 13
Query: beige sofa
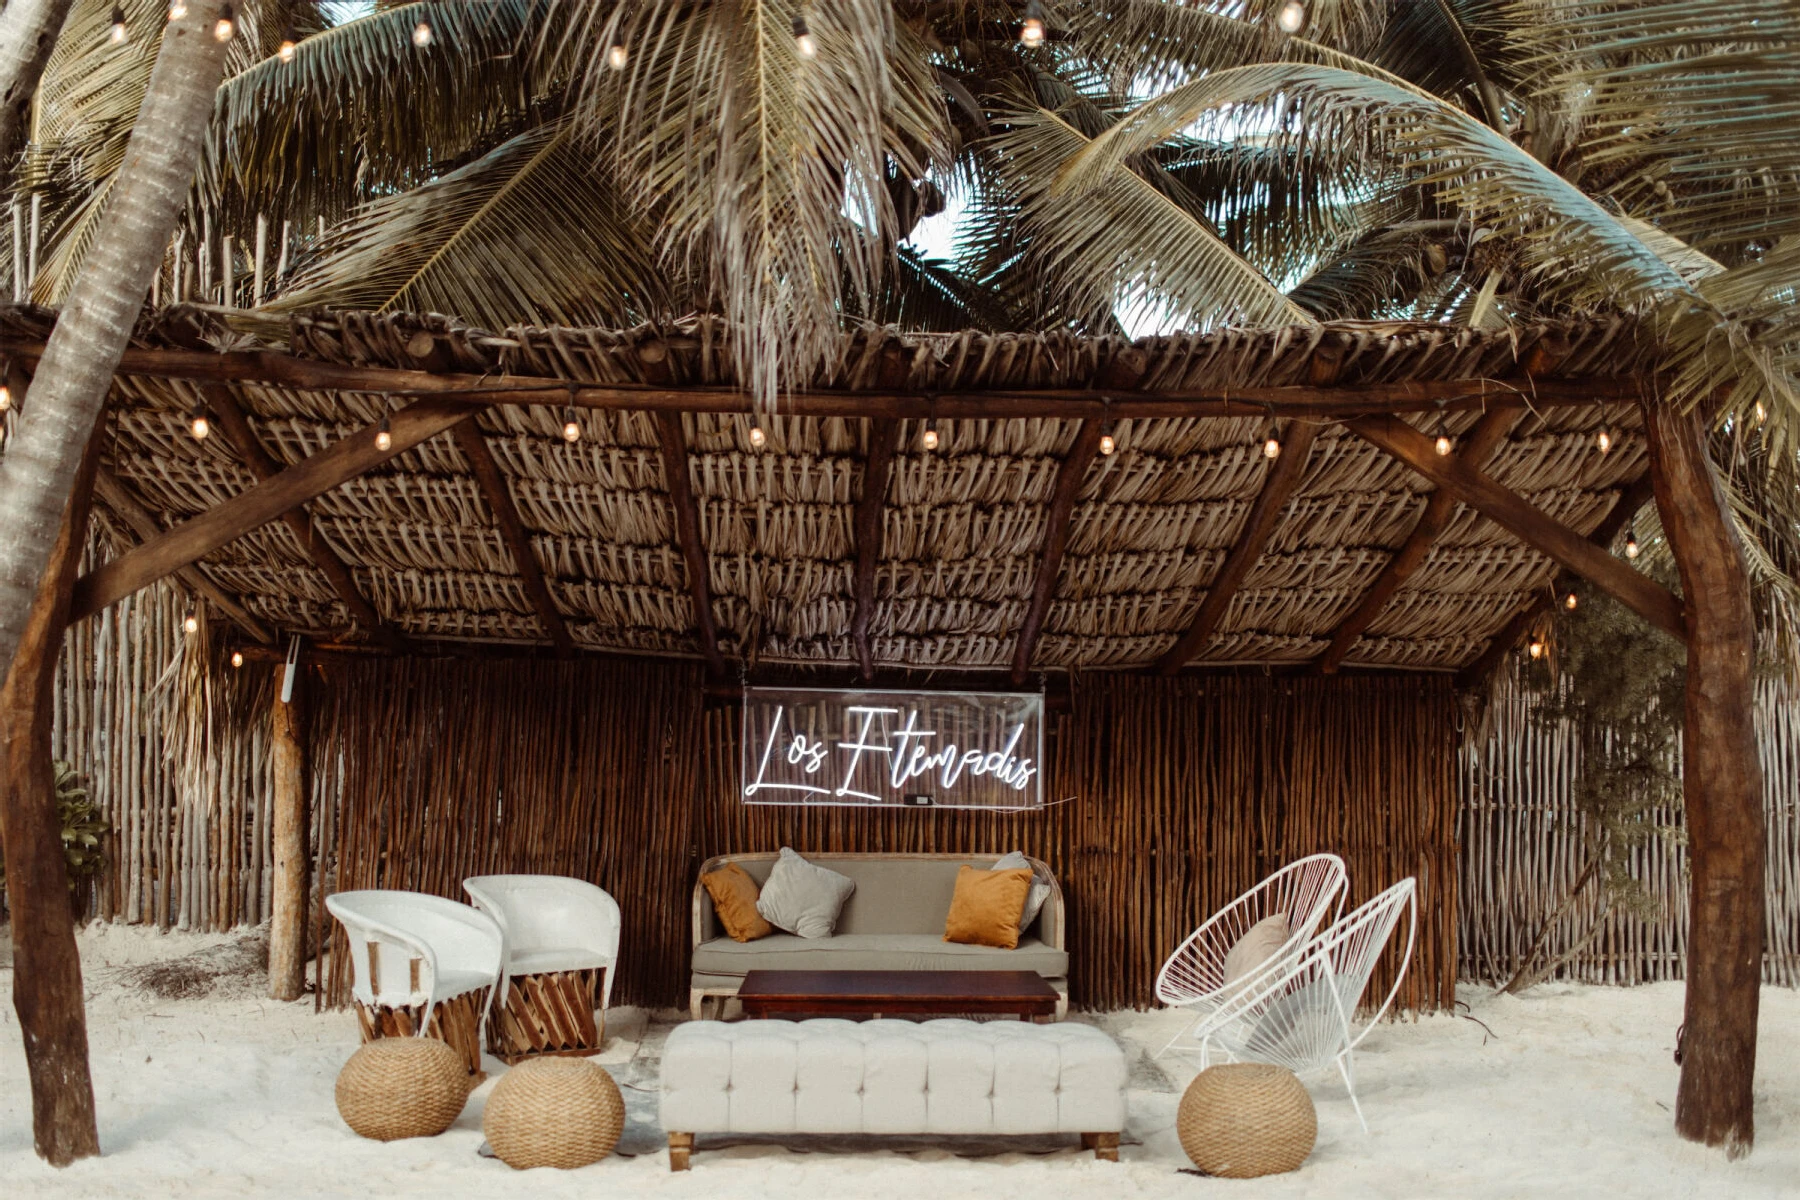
894, 921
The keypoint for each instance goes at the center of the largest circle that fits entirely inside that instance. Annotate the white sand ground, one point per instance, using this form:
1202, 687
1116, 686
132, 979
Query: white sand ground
1570, 1096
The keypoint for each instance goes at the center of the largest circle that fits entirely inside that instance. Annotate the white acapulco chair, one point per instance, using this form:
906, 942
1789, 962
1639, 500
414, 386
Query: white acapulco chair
413, 951
551, 925
1307, 891
1304, 1018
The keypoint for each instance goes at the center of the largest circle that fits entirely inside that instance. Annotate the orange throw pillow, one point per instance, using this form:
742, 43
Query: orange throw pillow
734, 895
986, 908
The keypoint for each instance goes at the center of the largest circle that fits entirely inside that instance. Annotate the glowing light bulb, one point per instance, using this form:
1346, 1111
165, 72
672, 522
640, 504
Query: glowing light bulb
571, 427
1107, 444
191, 623
931, 435
1632, 549
1761, 413
1031, 32
199, 426
422, 34
1291, 17
1603, 440
384, 437
237, 659
177, 10
1535, 647
1272, 447
757, 436
5, 398
1443, 445
803, 39
285, 51
1571, 601
617, 55
224, 28
119, 33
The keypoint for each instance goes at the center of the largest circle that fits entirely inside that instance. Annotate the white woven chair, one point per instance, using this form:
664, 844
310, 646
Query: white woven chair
410, 950
1307, 892
551, 923
1305, 1017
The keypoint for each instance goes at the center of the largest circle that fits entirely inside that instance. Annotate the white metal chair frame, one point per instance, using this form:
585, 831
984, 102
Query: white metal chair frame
585, 925
1283, 1019
1307, 891
437, 936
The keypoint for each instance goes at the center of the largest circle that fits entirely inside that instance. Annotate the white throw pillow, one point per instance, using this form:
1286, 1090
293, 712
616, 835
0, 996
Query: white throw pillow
1040, 887
803, 898
1259, 944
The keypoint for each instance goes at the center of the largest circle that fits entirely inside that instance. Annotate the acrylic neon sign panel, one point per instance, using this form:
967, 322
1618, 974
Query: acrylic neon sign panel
872, 748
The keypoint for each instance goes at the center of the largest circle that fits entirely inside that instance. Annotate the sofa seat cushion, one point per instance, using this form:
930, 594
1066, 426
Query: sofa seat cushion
872, 952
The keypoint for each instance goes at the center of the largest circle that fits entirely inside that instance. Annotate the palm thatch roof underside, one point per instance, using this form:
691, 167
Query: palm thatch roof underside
963, 529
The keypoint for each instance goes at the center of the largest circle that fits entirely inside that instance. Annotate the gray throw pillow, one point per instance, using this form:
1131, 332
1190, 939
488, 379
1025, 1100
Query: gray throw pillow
803, 898
1040, 887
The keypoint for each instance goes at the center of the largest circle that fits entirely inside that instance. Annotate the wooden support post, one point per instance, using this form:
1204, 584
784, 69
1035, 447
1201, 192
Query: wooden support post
46, 962
1721, 783
290, 845
1069, 476
1278, 488
673, 444
512, 532
878, 468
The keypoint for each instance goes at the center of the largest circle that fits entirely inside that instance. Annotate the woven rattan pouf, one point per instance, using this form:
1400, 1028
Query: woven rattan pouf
402, 1087
554, 1112
1241, 1120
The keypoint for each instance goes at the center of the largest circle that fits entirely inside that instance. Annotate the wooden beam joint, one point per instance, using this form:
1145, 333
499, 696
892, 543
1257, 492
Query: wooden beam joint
1069, 476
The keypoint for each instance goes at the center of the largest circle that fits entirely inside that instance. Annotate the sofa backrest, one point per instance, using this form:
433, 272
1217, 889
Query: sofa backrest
895, 893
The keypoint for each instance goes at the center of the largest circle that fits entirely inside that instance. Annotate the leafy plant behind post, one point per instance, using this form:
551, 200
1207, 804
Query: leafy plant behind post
1619, 684
82, 828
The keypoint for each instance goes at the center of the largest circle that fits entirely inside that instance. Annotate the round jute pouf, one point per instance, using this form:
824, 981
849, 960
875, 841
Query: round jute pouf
554, 1112
401, 1087
1241, 1120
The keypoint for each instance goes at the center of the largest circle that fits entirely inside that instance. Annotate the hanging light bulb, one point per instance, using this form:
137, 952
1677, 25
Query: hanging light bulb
1632, 549
1031, 32
237, 659
931, 434
1571, 601
1107, 444
177, 10
1761, 413
1535, 647
422, 34
285, 51
1444, 445
191, 622
5, 398
616, 54
1272, 446
384, 436
1291, 17
224, 28
803, 38
198, 425
757, 436
120, 34
571, 427
1603, 439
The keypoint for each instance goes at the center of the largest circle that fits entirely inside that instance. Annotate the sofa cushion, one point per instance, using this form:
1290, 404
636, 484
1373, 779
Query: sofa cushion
985, 910
893, 895
872, 952
734, 896
1040, 886
803, 898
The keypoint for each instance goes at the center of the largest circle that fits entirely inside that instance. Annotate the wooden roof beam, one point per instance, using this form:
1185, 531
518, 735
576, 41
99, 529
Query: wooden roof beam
512, 531
1488, 433
307, 479
1069, 476
1278, 488
673, 444
878, 468
224, 406
1513, 513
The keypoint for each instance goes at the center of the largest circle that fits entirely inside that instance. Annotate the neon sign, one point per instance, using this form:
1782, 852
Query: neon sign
885, 748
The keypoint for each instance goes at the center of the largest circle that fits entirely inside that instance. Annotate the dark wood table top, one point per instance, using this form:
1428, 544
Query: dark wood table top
1021, 992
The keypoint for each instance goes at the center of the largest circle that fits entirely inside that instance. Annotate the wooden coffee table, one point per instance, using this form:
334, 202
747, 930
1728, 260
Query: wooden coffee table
895, 993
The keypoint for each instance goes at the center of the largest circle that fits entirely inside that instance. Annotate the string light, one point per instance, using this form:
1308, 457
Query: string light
119, 31
1632, 549
198, 425
1535, 647
1272, 447
1291, 17
931, 434
1031, 33
177, 10
1107, 444
1445, 443
757, 436
191, 622
1761, 414
224, 29
1571, 601
1603, 439
5, 398
422, 34
237, 659
571, 427
616, 54
285, 51
803, 38
384, 436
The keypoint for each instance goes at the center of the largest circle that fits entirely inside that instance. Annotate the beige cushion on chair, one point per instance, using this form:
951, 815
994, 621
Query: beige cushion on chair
802, 898
1040, 887
1259, 944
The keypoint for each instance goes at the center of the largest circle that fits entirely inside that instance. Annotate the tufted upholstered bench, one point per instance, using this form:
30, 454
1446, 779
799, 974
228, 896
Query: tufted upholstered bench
943, 1076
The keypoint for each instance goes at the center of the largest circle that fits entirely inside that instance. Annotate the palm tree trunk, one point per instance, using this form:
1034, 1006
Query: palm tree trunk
72, 380
28, 30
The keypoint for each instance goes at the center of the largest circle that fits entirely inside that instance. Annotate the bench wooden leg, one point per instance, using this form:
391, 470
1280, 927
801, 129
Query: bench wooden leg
1104, 1145
681, 1147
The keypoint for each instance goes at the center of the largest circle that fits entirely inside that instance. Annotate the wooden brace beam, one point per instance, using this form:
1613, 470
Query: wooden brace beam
512, 531
1283, 478
687, 531
1069, 476
192, 540
877, 470
1513, 513
224, 406
1488, 433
